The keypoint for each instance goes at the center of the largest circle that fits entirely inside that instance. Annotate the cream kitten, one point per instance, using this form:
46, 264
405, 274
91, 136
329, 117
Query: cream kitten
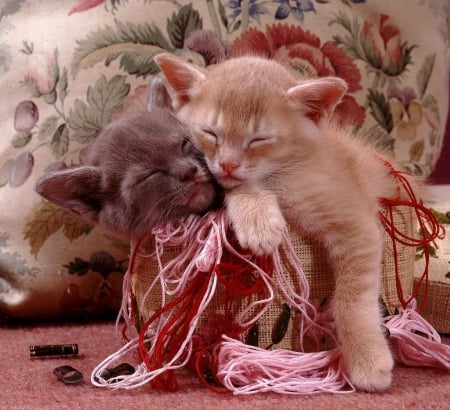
268, 139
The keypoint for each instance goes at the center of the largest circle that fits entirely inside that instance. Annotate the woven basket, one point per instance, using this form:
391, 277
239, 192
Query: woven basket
318, 272
437, 307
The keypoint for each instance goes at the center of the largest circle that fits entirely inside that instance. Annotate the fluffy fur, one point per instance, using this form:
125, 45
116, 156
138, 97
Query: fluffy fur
139, 172
269, 140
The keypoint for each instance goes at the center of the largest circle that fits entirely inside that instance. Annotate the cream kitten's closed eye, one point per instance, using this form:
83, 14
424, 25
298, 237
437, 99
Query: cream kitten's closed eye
260, 140
210, 136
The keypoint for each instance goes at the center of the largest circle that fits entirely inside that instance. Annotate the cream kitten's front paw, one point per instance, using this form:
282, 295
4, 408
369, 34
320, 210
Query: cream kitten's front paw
261, 232
371, 370
257, 221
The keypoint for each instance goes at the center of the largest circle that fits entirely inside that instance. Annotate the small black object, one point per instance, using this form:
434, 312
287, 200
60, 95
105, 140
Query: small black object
281, 325
53, 350
68, 374
123, 369
252, 338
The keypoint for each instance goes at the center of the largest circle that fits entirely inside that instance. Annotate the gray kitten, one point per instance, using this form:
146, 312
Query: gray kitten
139, 172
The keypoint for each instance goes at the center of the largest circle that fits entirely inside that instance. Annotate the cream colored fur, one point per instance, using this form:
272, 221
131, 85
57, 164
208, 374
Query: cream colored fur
269, 140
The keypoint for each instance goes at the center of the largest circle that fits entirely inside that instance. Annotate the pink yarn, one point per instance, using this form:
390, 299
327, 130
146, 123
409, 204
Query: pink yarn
415, 342
244, 369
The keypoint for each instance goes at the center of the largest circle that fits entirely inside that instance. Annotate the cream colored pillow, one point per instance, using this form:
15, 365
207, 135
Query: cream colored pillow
67, 69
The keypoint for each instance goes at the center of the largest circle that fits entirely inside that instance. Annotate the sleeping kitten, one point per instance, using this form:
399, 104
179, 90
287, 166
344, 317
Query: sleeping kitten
139, 172
268, 139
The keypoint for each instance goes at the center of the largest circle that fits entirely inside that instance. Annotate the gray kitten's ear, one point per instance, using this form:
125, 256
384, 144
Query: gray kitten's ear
157, 94
75, 189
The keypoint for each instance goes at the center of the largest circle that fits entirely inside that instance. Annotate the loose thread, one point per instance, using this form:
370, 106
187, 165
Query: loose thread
127, 308
430, 229
415, 341
172, 335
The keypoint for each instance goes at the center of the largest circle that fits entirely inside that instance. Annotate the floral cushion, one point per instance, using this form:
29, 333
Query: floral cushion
69, 68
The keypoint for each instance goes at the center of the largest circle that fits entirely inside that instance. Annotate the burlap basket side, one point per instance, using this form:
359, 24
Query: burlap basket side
437, 306
317, 270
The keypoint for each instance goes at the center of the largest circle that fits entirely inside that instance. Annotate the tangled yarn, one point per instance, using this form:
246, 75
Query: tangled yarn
166, 341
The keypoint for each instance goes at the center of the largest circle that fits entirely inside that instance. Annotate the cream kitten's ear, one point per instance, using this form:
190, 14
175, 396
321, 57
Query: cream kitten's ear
317, 98
180, 77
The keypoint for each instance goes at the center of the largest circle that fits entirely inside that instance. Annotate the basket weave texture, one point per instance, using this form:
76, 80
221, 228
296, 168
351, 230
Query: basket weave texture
437, 308
316, 268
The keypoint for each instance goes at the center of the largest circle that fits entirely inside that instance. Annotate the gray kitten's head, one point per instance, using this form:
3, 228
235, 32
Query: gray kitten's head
139, 172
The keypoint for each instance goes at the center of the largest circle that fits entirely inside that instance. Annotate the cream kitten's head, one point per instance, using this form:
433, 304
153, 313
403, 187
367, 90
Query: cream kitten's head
249, 115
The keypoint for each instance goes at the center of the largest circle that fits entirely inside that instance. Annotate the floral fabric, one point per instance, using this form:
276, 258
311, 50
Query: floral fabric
68, 68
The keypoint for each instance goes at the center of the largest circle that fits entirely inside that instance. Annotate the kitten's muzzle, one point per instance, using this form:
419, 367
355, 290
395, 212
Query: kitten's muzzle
229, 182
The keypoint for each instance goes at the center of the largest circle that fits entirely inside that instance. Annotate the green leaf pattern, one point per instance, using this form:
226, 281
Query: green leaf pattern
86, 119
135, 43
182, 24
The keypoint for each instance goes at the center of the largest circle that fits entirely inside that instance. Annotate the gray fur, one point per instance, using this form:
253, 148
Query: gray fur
139, 172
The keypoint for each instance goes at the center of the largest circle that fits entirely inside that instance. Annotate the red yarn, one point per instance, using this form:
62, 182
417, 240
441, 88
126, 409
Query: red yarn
430, 230
172, 333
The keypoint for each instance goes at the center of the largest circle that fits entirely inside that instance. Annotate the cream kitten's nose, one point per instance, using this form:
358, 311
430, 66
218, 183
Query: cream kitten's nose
228, 167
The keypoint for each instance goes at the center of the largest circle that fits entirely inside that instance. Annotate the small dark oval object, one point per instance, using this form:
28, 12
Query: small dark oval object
123, 369
68, 374
252, 338
281, 325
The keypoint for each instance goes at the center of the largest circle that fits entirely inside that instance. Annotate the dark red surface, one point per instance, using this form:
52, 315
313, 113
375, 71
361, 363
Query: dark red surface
441, 172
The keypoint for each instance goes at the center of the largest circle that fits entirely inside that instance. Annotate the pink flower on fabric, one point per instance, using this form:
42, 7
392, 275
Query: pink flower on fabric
304, 53
384, 37
42, 74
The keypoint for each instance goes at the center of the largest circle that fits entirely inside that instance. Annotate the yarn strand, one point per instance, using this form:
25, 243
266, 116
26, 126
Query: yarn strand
415, 341
429, 227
